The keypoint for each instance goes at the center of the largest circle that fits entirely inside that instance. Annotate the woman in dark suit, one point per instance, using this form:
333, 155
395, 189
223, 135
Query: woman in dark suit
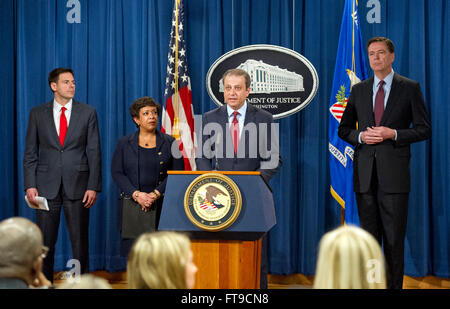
141, 161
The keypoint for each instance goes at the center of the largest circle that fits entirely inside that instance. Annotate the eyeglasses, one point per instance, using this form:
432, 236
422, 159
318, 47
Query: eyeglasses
44, 252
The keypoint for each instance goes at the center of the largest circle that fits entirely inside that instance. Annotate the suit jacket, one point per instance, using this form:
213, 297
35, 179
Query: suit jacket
77, 164
125, 162
258, 150
405, 106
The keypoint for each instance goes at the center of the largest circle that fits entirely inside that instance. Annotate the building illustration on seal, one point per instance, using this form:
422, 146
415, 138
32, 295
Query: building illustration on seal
267, 78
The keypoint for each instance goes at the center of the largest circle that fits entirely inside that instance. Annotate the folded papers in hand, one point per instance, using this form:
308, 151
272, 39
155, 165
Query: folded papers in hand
42, 203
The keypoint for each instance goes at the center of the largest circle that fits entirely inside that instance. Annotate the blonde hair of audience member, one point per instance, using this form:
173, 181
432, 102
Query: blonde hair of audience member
21, 251
350, 258
86, 281
161, 260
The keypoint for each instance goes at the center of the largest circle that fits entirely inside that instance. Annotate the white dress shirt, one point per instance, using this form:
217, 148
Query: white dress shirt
387, 90
57, 113
240, 117
386, 87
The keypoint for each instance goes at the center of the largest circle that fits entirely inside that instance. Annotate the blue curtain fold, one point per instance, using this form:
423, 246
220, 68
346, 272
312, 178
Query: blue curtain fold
8, 151
119, 53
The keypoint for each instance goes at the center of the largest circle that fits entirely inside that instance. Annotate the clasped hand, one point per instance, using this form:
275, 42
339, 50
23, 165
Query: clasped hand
146, 200
375, 135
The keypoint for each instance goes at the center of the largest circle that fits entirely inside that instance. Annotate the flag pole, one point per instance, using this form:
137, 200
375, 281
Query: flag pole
175, 127
178, 114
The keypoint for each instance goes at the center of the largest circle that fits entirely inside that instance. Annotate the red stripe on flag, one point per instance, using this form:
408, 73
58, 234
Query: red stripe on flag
186, 99
169, 111
187, 164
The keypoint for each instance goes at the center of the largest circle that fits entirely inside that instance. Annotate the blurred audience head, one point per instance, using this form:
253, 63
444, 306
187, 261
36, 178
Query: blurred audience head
161, 260
21, 250
349, 258
86, 281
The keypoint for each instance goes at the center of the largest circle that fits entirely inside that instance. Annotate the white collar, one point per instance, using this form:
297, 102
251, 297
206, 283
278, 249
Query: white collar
58, 106
387, 80
241, 110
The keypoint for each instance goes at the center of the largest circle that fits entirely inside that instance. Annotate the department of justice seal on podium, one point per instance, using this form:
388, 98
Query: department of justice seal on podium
212, 202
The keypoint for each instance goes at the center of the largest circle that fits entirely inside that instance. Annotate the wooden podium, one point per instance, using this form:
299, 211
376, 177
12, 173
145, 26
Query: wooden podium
228, 259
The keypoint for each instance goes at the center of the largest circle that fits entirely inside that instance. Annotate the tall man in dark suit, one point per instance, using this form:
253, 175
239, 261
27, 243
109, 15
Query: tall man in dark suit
240, 137
377, 121
62, 162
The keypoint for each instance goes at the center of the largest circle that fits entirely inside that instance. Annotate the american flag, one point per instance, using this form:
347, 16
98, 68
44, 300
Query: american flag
178, 114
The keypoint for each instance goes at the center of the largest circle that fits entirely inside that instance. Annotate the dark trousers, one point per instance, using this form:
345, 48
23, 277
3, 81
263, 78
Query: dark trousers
77, 221
384, 215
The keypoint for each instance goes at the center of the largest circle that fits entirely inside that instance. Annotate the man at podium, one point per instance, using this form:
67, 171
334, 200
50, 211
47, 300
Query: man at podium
240, 137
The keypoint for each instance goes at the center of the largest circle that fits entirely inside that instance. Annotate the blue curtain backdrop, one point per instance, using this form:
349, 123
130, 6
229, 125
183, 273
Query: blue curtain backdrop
118, 52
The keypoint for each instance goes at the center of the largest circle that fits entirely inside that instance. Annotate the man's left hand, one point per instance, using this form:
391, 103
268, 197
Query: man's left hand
90, 197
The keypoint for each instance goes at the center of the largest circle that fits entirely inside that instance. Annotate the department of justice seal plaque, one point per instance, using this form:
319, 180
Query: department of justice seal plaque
283, 82
212, 202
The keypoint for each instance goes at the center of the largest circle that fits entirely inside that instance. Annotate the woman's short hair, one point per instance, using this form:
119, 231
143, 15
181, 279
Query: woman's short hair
140, 103
158, 260
349, 258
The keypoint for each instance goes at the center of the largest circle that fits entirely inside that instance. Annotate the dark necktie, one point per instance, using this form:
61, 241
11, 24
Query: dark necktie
379, 104
62, 126
235, 131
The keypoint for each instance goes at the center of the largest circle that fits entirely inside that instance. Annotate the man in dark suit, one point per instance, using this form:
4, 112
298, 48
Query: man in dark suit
377, 121
238, 136
62, 162
244, 139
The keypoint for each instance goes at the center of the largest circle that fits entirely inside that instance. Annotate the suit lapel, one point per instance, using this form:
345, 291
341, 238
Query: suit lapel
249, 118
368, 99
49, 121
393, 95
224, 113
249, 114
224, 119
133, 141
159, 141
